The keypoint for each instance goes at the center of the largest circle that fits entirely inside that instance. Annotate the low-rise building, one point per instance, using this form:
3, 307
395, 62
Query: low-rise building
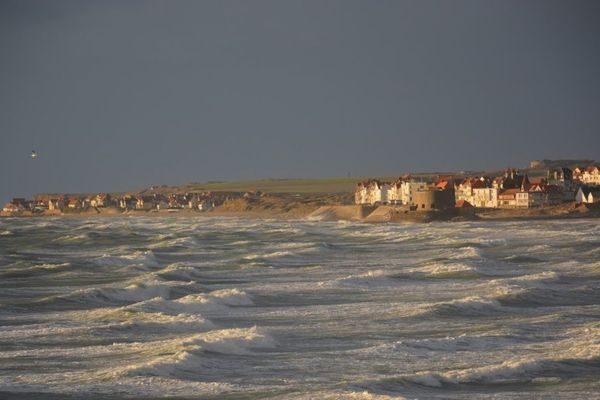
478, 191
74, 203
433, 199
591, 175
409, 188
56, 202
485, 197
508, 198
538, 195
12, 208
100, 200
371, 192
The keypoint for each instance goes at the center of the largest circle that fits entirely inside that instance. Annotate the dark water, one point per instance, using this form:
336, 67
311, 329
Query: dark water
227, 308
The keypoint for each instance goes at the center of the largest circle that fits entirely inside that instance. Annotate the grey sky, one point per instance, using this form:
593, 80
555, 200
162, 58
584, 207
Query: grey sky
117, 95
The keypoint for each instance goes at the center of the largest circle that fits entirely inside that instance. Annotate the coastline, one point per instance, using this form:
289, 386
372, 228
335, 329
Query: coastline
366, 214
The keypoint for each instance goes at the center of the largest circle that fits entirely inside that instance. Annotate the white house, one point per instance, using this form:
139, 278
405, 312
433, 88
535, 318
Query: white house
478, 191
371, 192
486, 197
380, 192
409, 188
464, 190
10, 207
538, 195
361, 193
395, 192
591, 175
507, 198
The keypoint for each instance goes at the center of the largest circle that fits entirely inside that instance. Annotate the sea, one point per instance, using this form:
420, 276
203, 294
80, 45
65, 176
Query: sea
227, 308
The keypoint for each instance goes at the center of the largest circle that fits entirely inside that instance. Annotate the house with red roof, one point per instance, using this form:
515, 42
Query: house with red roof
74, 202
508, 198
478, 191
13, 208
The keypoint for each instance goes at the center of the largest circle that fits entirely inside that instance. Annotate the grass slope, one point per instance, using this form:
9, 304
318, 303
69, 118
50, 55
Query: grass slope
326, 185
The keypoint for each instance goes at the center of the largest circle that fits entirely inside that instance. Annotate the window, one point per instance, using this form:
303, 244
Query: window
422, 205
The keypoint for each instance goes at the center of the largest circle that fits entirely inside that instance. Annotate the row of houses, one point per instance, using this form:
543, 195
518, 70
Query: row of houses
202, 201
510, 190
588, 176
406, 190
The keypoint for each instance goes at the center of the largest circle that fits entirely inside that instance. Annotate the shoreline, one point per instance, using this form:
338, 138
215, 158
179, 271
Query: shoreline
366, 214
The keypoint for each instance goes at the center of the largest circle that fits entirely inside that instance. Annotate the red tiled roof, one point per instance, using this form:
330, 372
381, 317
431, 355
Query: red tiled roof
509, 192
442, 185
591, 168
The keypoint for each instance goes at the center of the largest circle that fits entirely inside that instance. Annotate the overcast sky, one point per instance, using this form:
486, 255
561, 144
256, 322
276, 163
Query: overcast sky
119, 95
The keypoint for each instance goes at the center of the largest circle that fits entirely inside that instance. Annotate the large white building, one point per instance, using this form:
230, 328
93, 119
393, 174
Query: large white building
486, 197
408, 190
399, 192
590, 175
371, 192
478, 191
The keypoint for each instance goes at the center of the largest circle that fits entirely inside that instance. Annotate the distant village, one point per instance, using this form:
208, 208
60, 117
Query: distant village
510, 190
61, 203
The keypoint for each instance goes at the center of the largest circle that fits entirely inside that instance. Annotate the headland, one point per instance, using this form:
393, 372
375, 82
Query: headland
538, 192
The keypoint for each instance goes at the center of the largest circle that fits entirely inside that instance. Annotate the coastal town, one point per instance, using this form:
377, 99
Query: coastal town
455, 194
510, 190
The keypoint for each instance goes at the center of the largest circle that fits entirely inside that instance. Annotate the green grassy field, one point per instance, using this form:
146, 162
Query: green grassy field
325, 185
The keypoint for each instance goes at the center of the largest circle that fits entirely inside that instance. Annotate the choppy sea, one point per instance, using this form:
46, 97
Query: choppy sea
227, 308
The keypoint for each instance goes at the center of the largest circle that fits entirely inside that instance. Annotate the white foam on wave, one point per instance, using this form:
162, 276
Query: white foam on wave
84, 385
186, 241
275, 254
214, 301
534, 280
517, 286
180, 271
508, 371
127, 316
339, 395
138, 258
36, 331
369, 279
463, 342
72, 238
166, 358
580, 344
442, 270
283, 250
240, 243
133, 292
468, 252
5, 233
472, 305
50, 266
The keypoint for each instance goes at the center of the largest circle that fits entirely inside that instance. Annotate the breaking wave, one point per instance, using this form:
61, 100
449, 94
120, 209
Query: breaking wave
155, 307
139, 258
215, 301
171, 357
134, 292
369, 279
